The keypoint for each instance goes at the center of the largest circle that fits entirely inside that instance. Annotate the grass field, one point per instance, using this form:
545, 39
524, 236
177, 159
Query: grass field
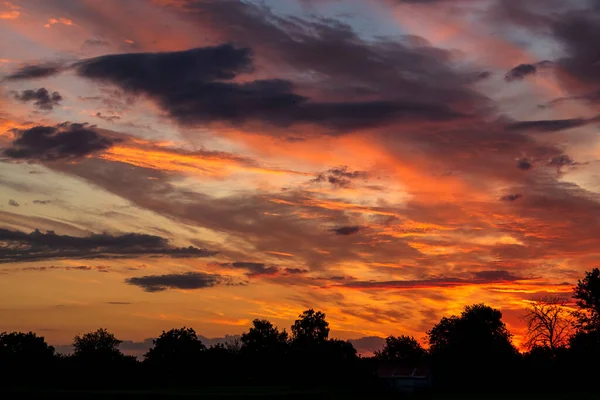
223, 393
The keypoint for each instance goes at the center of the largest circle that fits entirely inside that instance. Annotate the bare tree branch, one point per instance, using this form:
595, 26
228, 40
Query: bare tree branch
549, 324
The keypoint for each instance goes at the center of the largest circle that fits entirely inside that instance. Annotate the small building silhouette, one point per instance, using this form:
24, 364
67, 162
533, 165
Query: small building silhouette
403, 379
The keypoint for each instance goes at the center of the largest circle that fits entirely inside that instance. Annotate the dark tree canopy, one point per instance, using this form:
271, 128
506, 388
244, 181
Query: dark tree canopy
475, 344
403, 349
176, 347
587, 296
340, 350
310, 328
479, 328
263, 337
24, 348
100, 345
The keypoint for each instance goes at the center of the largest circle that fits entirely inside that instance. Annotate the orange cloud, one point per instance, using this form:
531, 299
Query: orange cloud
62, 21
10, 11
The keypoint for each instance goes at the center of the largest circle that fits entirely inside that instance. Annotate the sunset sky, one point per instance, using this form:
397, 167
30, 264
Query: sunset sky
207, 162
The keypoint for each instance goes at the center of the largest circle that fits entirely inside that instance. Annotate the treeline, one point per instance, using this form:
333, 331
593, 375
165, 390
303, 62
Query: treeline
472, 351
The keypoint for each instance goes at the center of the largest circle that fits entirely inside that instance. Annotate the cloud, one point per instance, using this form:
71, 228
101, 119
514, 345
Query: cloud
511, 197
260, 269
195, 86
99, 268
255, 269
33, 71
562, 161
346, 230
391, 80
578, 31
549, 125
107, 118
295, 271
496, 276
521, 71
42, 98
340, 176
96, 43
188, 280
478, 278
64, 141
524, 164
18, 246
13, 203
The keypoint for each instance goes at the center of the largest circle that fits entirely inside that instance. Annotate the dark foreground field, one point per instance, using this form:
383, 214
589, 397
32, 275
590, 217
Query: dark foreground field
222, 393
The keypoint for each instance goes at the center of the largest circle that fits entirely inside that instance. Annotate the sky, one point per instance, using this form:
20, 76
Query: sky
168, 163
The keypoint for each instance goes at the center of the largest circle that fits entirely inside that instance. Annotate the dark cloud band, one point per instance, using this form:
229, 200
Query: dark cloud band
18, 246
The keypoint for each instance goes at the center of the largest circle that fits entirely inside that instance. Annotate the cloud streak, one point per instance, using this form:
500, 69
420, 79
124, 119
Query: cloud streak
38, 246
64, 141
185, 281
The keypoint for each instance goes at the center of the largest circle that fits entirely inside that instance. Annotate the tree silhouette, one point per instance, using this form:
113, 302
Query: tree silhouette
476, 343
310, 328
98, 345
587, 296
403, 349
263, 338
548, 324
25, 358
175, 348
18, 347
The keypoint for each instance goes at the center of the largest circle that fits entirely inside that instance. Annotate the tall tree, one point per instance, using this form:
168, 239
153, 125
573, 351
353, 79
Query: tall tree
24, 347
476, 344
548, 324
263, 338
403, 349
25, 358
310, 327
176, 348
99, 345
587, 296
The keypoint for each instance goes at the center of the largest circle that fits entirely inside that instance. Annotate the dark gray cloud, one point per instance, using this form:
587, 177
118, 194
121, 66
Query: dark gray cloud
496, 276
50, 143
28, 72
481, 277
341, 176
524, 164
295, 271
98, 268
579, 32
41, 98
18, 246
255, 269
188, 280
107, 118
196, 87
521, 71
549, 125
562, 161
13, 203
511, 197
346, 230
